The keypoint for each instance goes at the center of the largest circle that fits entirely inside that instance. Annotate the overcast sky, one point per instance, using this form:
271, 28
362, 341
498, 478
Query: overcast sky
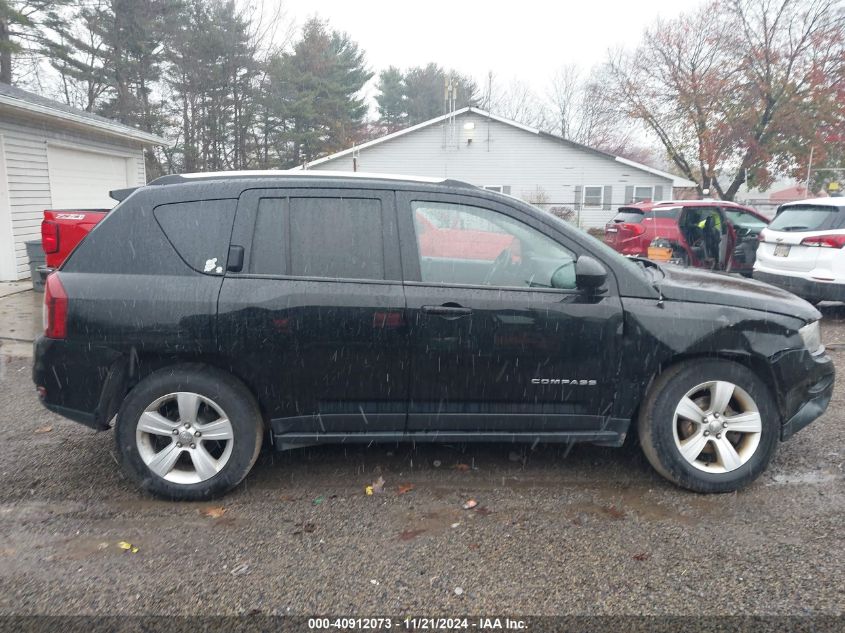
526, 39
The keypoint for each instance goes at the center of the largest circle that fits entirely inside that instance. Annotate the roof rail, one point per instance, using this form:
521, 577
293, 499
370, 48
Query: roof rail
298, 173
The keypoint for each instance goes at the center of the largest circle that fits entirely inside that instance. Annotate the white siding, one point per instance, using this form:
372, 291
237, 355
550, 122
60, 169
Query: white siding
25, 145
501, 154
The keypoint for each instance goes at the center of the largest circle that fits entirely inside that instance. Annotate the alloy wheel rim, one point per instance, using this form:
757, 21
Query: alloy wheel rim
184, 437
717, 427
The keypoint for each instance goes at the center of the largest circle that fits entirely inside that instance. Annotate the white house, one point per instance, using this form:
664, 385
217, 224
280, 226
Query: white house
56, 157
496, 153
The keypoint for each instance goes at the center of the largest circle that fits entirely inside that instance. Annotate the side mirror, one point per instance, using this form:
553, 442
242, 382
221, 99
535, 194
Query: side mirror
590, 275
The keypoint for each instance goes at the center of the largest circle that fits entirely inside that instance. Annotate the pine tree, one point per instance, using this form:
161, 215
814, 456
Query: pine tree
317, 86
392, 101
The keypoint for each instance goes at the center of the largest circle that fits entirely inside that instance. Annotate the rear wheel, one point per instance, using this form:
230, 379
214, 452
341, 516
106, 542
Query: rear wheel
188, 432
709, 426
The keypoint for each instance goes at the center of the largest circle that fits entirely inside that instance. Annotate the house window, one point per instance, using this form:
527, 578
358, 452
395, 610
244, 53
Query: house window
641, 194
593, 197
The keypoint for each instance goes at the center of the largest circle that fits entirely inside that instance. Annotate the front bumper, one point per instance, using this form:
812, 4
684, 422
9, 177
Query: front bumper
809, 380
808, 289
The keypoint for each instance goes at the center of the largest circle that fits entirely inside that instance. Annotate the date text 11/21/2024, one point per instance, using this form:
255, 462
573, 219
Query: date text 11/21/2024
410, 623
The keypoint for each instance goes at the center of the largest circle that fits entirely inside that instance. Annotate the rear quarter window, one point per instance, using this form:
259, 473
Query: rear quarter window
809, 217
199, 231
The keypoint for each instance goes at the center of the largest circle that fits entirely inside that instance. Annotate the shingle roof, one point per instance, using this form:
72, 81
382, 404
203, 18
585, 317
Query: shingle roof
11, 96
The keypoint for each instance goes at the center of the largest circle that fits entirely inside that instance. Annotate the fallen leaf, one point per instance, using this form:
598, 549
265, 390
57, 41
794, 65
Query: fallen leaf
461, 467
43, 429
128, 547
368, 490
214, 512
405, 488
408, 535
378, 486
615, 513
470, 504
642, 556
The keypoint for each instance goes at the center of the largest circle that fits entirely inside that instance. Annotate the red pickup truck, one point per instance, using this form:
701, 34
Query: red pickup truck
63, 229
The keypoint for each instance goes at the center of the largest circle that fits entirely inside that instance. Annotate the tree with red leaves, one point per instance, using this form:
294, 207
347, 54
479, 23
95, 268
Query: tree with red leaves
739, 90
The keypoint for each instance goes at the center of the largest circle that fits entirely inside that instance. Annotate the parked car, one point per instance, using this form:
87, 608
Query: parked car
61, 231
701, 233
207, 310
802, 250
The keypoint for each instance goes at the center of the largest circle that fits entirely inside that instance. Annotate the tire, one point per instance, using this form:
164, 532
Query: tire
666, 436
215, 404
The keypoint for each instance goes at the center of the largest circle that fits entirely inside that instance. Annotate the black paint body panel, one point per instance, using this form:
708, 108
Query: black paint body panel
339, 359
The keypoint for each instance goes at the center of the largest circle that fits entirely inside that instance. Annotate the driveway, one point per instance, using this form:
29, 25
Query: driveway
586, 531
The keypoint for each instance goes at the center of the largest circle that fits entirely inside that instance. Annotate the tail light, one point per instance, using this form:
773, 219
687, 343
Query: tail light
49, 236
636, 229
825, 241
55, 308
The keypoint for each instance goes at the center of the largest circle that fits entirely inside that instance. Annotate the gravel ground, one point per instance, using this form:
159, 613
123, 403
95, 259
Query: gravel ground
594, 531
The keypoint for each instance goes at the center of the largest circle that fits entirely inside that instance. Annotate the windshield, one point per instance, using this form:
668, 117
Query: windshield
809, 217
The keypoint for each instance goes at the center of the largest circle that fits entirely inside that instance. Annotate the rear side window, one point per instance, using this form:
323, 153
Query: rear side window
336, 238
199, 231
809, 217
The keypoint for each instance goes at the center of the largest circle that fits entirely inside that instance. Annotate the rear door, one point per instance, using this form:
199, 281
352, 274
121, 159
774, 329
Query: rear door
314, 317
494, 348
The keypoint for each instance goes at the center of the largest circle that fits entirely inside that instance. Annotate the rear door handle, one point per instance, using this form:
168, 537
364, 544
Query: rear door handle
447, 311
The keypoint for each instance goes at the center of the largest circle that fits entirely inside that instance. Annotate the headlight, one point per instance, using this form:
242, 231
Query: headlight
812, 337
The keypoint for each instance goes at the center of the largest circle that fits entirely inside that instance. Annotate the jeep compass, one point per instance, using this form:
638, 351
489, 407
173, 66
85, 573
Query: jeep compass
208, 312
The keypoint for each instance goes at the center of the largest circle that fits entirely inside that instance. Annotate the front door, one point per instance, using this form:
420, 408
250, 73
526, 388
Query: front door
494, 347
315, 315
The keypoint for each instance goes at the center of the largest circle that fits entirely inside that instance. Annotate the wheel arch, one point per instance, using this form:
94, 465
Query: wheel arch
756, 364
136, 365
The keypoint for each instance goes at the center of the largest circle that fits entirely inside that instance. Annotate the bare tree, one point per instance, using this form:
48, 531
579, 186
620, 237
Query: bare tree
517, 102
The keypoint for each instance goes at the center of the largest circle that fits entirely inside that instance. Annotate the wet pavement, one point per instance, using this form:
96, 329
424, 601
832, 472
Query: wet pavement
590, 531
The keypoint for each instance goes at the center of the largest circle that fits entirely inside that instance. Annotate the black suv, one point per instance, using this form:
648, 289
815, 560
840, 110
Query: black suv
208, 310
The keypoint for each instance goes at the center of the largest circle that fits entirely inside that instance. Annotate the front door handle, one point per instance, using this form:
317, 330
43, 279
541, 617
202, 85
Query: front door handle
447, 311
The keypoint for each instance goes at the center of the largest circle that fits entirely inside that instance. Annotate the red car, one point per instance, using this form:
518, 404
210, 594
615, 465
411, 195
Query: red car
711, 234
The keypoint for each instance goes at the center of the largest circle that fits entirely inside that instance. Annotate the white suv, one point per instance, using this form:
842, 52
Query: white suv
803, 250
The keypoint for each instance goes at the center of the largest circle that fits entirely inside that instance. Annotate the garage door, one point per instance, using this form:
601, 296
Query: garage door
82, 180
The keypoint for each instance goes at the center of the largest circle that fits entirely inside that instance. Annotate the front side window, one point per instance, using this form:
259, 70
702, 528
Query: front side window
593, 197
463, 244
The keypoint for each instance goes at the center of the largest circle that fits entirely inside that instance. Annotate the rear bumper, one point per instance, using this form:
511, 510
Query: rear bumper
78, 381
808, 289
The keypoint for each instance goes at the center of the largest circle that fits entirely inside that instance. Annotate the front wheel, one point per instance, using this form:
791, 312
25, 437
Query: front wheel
709, 425
188, 432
